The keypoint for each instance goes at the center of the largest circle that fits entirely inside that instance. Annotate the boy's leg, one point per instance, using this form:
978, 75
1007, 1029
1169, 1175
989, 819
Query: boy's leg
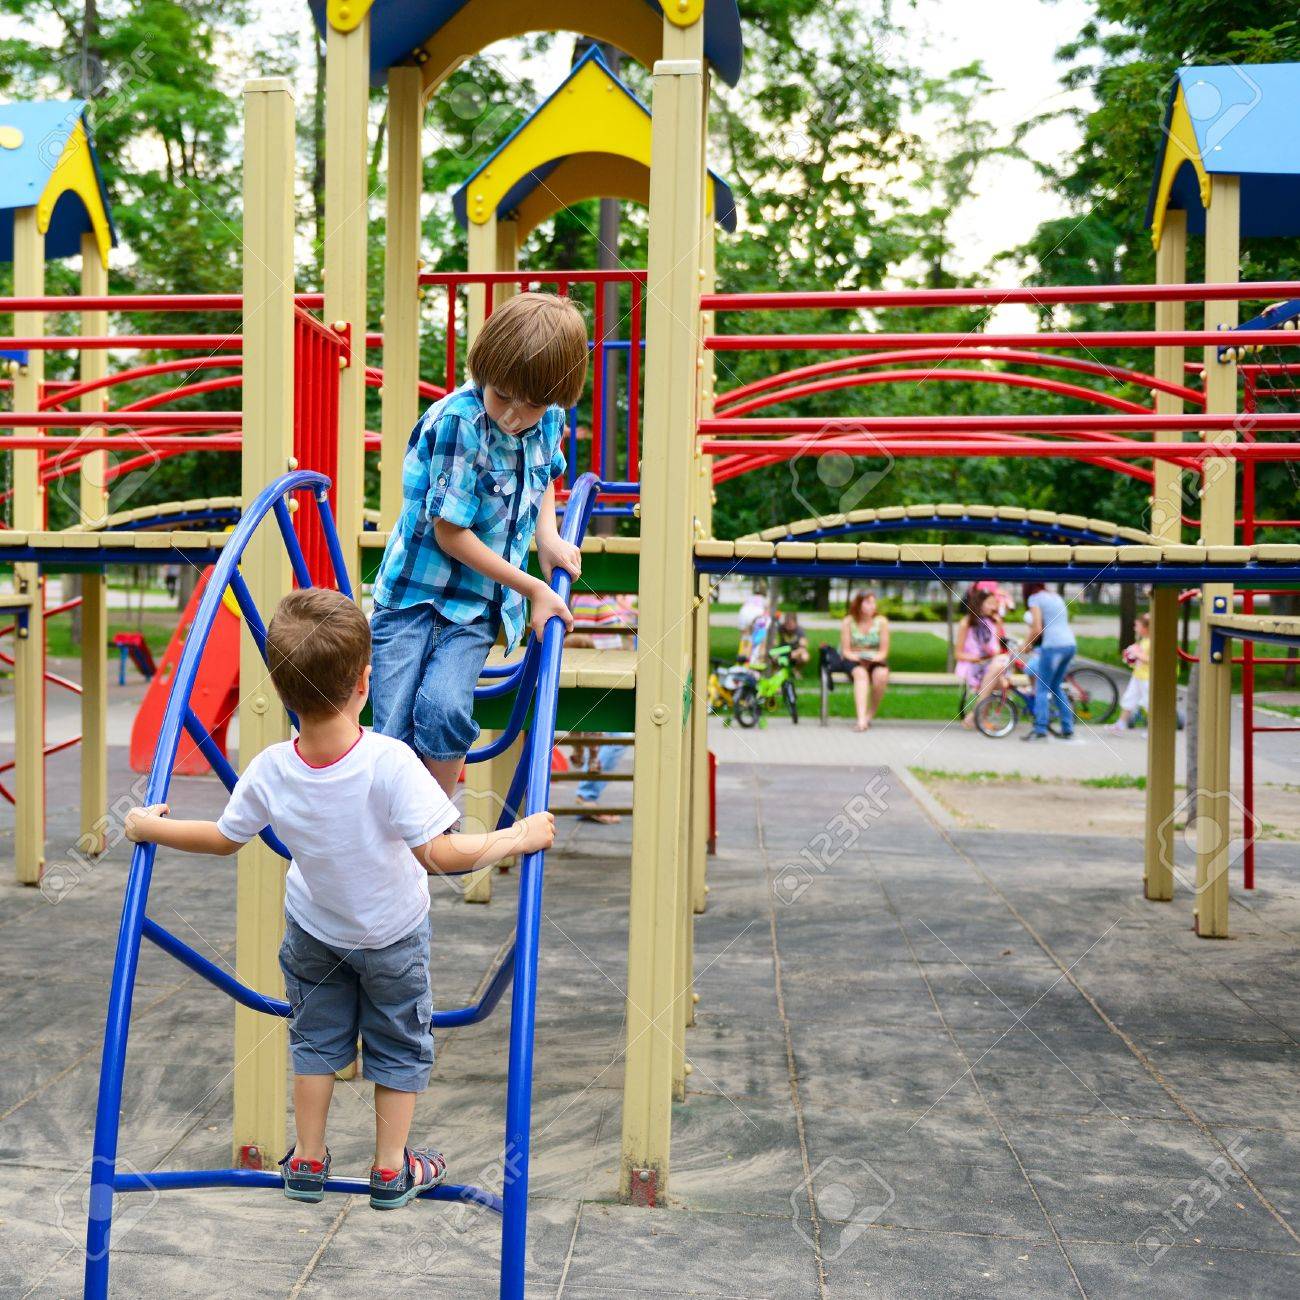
397, 1039
393, 1114
444, 702
401, 644
323, 991
311, 1105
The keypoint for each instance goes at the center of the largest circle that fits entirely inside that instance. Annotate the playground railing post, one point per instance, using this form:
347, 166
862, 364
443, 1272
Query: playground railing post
261, 1049
29, 515
1166, 525
401, 327
347, 107
94, 584
664, 689
1218, 515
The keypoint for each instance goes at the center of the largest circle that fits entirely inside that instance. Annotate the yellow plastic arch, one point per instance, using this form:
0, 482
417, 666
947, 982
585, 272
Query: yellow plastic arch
632, 26
75, 172
603, 175
601, 134
1181, 148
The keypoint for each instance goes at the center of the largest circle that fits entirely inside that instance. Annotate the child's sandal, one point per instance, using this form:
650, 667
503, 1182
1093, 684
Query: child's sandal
304, 1180
392, 1188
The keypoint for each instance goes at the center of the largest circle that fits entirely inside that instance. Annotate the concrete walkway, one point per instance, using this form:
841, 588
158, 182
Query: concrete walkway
925, 1063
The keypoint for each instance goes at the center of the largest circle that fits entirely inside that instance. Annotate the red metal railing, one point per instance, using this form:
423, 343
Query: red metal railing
63, 682
610, 455
320, 353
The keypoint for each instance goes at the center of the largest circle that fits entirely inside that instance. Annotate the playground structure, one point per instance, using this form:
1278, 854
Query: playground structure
303, 379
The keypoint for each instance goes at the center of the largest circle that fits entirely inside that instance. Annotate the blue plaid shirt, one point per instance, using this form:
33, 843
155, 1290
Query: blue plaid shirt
460, 467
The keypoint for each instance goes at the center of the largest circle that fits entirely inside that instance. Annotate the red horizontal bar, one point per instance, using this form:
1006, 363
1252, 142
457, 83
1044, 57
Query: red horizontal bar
117, 420
788, 447
910, 356
1072, 339
104, 342
143, 302
1257, 728
161, 442
981, 423
532, 277
1044, 296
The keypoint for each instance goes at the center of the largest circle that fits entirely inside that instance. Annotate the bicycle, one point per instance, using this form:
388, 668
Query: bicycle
1093, 696
776, 686
734, 691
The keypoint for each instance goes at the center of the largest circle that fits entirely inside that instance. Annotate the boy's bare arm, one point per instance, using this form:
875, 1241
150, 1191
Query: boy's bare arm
462, 544
152, 826
450, 855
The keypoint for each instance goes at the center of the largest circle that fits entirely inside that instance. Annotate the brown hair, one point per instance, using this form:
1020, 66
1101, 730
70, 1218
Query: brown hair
533, 349
317, 647
858, 600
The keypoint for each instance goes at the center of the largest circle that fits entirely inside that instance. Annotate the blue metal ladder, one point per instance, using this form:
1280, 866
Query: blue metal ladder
535, 680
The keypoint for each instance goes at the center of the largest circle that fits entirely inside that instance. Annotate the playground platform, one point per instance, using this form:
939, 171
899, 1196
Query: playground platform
1001, 1071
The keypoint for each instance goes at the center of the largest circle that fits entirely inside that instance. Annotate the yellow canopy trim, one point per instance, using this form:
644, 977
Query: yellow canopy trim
347, 15
1180, 148
683, 13
75, 171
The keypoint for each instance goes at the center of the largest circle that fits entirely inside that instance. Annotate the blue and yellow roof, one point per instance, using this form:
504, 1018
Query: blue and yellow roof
589, 139
48, 161
439, 35
1233, 120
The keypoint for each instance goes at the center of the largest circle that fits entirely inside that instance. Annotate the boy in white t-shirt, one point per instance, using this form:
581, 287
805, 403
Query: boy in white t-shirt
366, 825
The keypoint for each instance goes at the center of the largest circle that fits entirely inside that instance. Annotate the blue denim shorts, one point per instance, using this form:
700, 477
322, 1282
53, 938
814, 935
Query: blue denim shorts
423, 679
381, 994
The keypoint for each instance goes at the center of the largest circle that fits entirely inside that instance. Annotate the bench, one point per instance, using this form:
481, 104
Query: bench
828, 675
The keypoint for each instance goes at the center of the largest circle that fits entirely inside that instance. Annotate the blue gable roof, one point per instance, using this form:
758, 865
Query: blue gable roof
25, 171
1245, 119
398, 27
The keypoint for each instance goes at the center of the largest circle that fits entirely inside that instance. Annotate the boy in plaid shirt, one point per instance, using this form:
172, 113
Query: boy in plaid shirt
478, 482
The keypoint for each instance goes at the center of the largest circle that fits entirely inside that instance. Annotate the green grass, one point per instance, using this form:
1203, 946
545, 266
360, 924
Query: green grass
1121, 782
977, 777
157, 625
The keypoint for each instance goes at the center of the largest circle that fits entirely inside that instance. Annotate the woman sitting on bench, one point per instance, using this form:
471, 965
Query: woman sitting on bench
981, 660
863, 655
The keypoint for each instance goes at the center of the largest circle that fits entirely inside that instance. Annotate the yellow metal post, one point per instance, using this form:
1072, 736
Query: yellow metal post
698, 759
401, 355
664, 689
29, 515
1166, 525
485, 783
347, 101
94, 586
261, 1042
1218, 512
507, 256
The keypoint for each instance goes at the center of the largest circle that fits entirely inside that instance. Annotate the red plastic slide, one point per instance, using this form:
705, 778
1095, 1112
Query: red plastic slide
216, 690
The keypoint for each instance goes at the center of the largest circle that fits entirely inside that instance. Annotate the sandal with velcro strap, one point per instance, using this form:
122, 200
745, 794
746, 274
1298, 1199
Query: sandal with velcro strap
304, 1180
421, 1169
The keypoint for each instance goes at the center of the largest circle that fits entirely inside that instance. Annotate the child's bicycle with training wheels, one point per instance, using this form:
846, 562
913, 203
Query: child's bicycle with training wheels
733, 693
1093, 696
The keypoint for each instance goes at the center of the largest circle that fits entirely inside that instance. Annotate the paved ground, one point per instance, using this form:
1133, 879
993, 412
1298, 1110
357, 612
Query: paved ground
926, 1063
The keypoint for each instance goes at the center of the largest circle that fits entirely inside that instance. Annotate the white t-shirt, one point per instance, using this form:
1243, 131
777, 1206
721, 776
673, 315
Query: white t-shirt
350, 826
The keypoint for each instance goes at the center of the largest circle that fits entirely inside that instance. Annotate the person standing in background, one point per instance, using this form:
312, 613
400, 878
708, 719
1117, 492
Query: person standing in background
1051, 634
